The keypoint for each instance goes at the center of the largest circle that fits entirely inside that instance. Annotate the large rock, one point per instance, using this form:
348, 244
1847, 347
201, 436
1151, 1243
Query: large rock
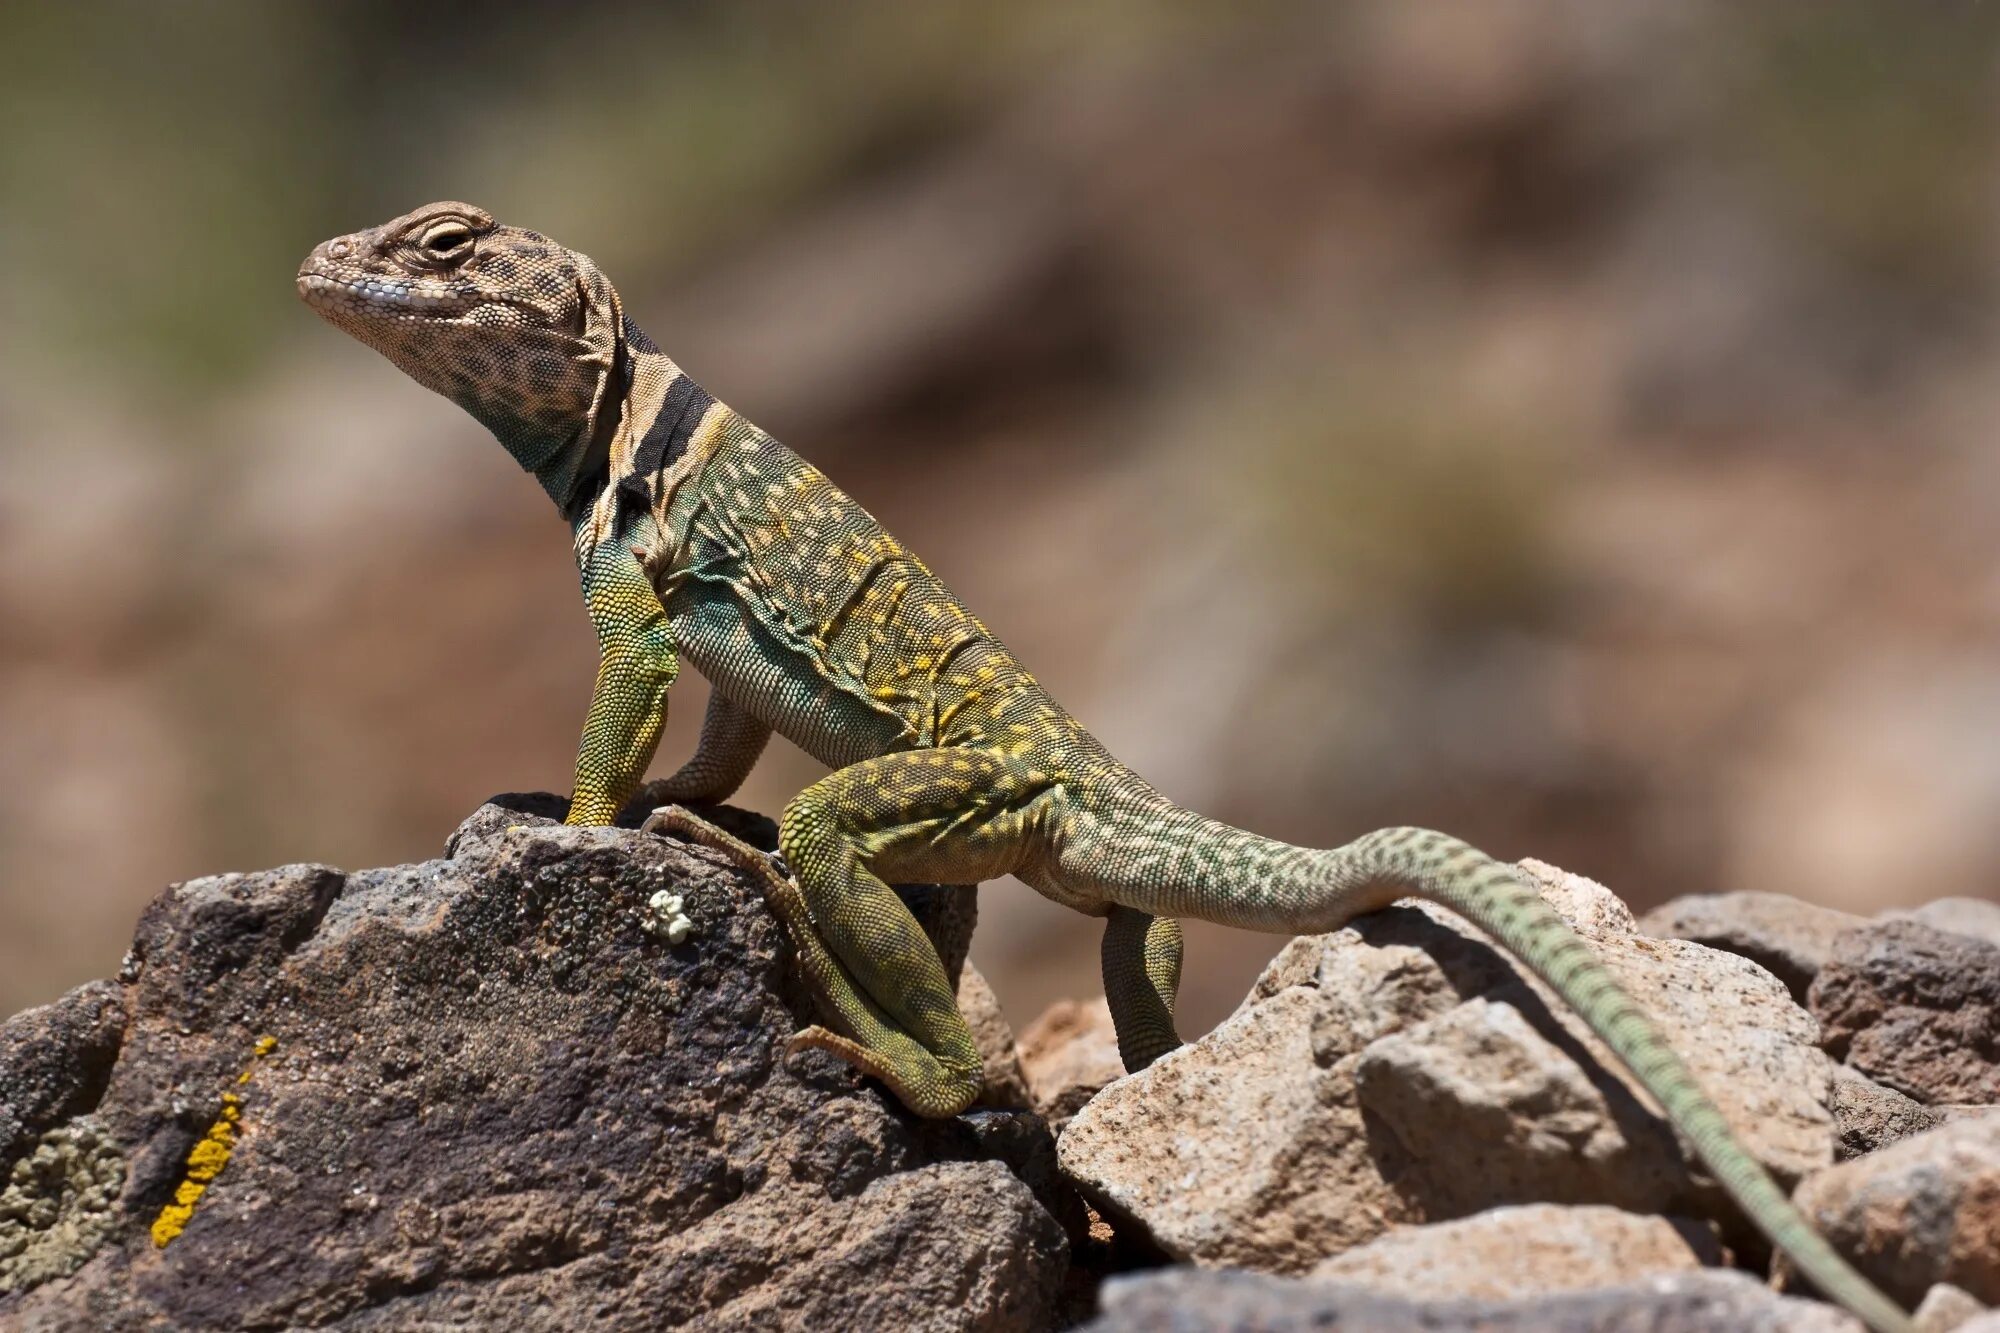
1193, 1301
1789, 937
1916, 1008
1532, 1250
1342, 1097
1922, 1211
477, 1092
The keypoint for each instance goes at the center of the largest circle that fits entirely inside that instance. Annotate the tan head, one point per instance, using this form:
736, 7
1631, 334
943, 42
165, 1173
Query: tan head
512, 327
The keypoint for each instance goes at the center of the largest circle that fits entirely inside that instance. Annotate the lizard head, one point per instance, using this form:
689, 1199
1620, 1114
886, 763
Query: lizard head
517, 330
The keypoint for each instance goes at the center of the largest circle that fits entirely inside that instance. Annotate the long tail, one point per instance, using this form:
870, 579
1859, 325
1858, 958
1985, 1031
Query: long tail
1222, 874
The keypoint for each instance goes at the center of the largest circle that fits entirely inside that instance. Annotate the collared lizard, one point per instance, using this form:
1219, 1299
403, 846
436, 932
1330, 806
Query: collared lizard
698, 534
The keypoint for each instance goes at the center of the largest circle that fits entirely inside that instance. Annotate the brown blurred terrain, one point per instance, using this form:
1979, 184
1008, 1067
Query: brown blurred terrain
1569, 424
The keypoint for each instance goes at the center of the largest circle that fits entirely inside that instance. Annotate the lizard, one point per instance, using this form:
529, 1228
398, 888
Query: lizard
696, 534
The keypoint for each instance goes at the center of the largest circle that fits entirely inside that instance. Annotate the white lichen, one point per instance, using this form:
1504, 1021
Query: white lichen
664, 919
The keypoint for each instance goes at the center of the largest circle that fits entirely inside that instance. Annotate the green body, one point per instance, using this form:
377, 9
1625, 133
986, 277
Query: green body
700, 537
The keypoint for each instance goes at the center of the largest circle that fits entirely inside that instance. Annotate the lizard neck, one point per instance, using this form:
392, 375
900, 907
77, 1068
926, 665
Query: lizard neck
570, 457
660, 430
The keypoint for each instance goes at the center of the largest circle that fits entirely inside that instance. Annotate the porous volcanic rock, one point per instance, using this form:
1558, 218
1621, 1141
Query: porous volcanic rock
1788, 936
1869, 1117
1196, 1301
1341, 1098
1915, 1008
476, 1092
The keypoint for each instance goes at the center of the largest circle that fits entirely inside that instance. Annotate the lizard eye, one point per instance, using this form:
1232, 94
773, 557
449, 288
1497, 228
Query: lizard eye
446, 240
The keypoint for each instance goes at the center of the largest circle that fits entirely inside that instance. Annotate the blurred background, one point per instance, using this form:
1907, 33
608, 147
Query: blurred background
1568, 424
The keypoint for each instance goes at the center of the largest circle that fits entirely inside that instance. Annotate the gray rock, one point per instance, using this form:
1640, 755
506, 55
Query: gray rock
1976, 917
491, 1099
1789, 937
1869, 1116
1368, 1059
1915, 1008
1192, 1301
1918, 1212
1531, 1250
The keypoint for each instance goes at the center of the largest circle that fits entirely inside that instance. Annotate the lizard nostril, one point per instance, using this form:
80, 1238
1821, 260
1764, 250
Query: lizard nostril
337, 249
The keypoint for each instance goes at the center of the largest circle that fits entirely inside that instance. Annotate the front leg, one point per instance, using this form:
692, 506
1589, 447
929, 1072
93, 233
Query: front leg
636, 666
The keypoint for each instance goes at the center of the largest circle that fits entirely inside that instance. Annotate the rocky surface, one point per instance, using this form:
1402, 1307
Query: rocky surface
1368, 1059
1069, 1055
1790, 938
479, 1092
1868, 1116
1186, 1301
1006, 1083
1915, 1008
488, 1098
1531, 1250
1962, 916
1923, 1211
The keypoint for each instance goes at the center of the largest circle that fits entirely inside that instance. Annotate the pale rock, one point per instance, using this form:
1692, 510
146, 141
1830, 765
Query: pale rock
1788, 936
1195, 1301
1945, 1309
1532, 1250
1976, 917
1339, 1099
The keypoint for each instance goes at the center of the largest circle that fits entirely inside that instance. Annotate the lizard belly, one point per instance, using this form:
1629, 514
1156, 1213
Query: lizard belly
777, 680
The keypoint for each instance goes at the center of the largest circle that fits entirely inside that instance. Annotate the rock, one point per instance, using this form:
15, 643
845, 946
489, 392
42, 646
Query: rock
1916, 1008
1788, 936
1919, 1212
1868, 1116
1962, 916
475, 1092
1532, 1250
1194, 1301
1367, 1059
1944, 1309
1069, 1055
1006, 1084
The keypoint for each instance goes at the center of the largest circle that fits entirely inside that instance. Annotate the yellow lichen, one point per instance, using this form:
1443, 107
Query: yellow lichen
209, 1155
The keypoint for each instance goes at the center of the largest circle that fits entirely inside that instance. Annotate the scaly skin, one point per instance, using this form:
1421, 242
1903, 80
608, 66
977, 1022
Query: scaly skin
698, 534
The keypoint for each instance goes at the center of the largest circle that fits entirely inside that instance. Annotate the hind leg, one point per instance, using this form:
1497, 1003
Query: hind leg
1142, 974
875, 1043
945, 816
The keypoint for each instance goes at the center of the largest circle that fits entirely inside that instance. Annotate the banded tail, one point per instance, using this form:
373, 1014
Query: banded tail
1223, 874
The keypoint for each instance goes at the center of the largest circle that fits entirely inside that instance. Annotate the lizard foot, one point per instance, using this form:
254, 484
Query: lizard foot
922, 1083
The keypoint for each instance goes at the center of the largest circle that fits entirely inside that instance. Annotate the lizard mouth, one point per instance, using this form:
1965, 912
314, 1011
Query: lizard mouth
395, 298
